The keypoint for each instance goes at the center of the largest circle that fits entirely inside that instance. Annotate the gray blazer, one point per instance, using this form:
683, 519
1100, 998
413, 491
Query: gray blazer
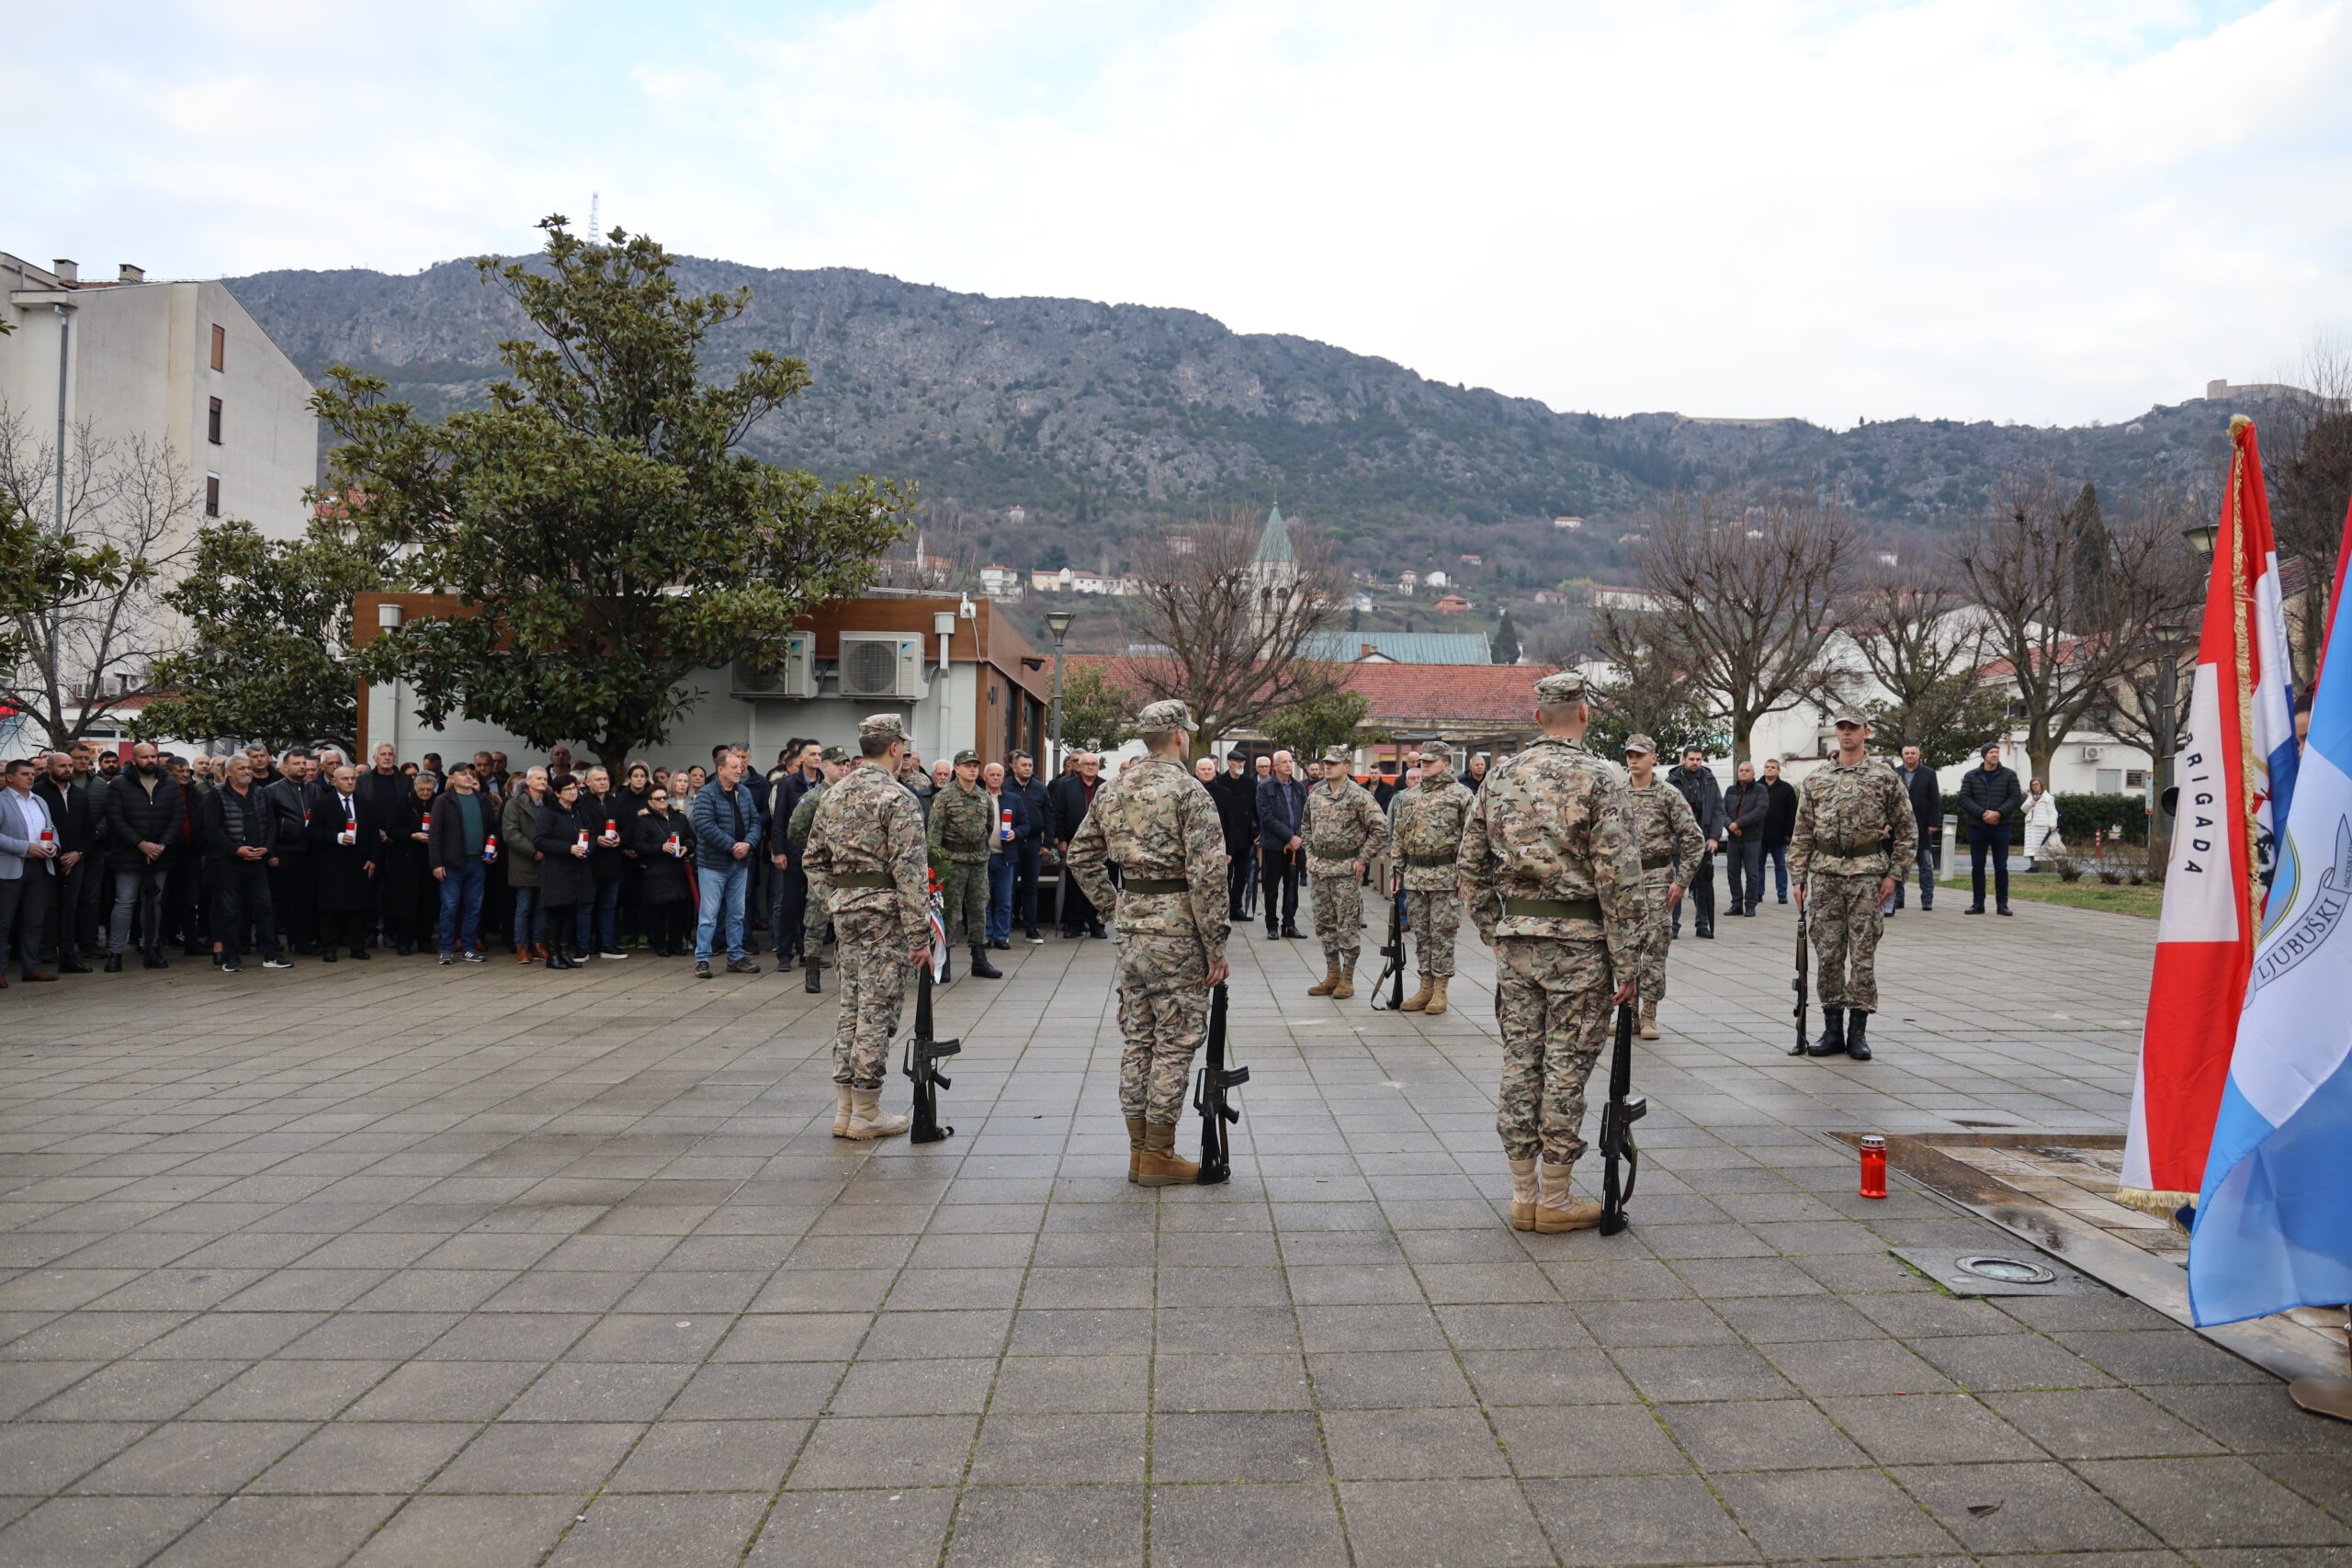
22, 819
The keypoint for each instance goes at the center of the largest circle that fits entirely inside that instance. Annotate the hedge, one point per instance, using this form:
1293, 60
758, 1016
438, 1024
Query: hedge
2079, 817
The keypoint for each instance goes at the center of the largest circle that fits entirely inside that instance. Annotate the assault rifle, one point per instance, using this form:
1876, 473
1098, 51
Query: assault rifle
1209, 1099
920, 1065
1392, 970
1798, 985
1617, 1118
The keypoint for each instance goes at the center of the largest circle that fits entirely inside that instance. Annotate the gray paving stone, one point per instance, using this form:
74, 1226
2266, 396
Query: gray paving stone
854, 1530
1611, 1520
2023, 1508
194, 1458
885, 1451
1441, 1524
1587, 1439
354, 1456
672, 1531
98, 1532
481, 1532
283, 1532
538, 1456
1246, 1527
1246, 1446
2100, 1423
1411, 1444
1047, 1526
711, 1456
1930, 1428
1760, 1434
1016, 1449
1840, 1513
2220, 1501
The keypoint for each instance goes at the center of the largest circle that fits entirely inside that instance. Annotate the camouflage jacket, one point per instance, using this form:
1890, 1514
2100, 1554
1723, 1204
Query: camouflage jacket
1342, 825
795, 832
866, 824
1429, 825
1156, 824
963, 823
1845, 814
1665, 831
1552, 823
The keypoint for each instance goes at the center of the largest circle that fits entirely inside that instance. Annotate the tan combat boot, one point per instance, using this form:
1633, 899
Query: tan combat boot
1437, 995
868, 1120
840, 1111
1555, 1211
1649, 1021
1159, 1165
1135, 1148
1522, 1194
1346, 986
1330, 979
1420, 998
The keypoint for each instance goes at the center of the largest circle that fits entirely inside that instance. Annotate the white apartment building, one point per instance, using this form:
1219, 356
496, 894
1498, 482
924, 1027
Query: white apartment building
176, 363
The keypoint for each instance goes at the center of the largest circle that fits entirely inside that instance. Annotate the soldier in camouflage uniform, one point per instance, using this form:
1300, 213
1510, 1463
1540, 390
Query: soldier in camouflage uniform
1667, 834
1344, 831
1427, 842
1554, 882
833, 762
963, 826
866, 867
1158, 824
1854, 826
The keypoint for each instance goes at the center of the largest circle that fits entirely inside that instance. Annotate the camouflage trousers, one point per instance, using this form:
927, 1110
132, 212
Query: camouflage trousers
1551, 1005
964, 900
1339, 917
1164, 1017
1844, 916
1436, 917
1650, 941
872, 961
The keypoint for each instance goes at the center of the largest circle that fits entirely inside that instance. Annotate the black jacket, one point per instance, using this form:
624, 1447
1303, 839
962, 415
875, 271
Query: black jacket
1706, 797
386, 794
78, 830
136, 817
1926, 800
1748, 805
256, 826
1069, 801
1781, 816
448, 844
1237, 810
1038, 805
603, 864
345, 885
667, 876
1982, 791
565, 880
293, 806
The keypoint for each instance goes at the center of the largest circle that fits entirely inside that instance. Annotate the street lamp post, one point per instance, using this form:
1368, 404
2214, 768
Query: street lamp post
2168, 735
1058, 622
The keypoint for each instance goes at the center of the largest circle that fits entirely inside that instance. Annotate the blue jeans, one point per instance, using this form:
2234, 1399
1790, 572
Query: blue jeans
722, 900
1000, 880
530, 918
1777, 857
461, 886
601, 919
1924, 857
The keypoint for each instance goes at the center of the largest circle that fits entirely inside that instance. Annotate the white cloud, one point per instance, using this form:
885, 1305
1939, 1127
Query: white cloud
1975, 207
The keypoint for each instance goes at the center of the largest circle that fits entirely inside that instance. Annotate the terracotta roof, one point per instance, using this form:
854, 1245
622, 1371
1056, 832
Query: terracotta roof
1495, 694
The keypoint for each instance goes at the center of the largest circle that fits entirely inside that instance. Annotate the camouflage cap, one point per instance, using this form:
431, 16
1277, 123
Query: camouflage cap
1165, 718
968, 755
1561, 686
1847, 713
1338, 754
1437, 753
833, 754
883, 727
1642, 743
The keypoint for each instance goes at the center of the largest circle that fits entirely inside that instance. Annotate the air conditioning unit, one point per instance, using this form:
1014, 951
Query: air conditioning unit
2093, 753
884, 665
794, 676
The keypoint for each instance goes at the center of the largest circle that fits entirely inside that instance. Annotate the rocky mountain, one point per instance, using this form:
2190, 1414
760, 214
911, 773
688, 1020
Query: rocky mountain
1099, 417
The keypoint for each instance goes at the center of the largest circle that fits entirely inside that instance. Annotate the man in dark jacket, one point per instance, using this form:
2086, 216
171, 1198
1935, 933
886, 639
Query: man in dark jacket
1987, 795
464, 824
145, 827
1236, 794
1779, 824
293, 797
77, 862
788, 879
1037, 810
599, 930
1070, 795
1748, 807
1282, 853
239, 834
1928, 808
345, 849
1696, 784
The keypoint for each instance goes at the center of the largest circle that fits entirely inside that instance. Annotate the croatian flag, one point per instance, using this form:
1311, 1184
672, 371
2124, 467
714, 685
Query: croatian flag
2235, 769
2274, 1220
938, 906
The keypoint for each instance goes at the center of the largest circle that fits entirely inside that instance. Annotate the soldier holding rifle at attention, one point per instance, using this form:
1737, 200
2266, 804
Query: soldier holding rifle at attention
1344, 831
1430, 814
1158, 824
868, 868
1854, 826
1554, 882
1667, 834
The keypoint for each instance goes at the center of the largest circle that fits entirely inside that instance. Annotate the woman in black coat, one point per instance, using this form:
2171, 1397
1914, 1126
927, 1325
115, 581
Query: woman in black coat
567, 885
664, 844
412, 897
637, 785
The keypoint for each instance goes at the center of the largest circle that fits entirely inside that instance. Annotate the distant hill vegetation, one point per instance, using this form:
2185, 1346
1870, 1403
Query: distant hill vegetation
1099, 419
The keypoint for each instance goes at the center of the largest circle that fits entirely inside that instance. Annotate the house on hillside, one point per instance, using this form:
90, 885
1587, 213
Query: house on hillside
1000, 581
1408, 582
1608, 598
1452, 604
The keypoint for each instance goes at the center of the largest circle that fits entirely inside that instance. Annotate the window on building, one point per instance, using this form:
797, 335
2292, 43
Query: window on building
2135, 778
212, 495
2110, 781
219, 347
212, 423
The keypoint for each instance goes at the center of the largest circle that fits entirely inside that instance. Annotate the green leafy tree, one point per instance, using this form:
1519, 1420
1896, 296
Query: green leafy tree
39, 569
597, 521
1327, 718
1096, 713
271, 657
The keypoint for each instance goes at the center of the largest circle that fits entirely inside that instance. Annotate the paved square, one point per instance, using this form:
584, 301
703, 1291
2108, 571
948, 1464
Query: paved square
386, 1264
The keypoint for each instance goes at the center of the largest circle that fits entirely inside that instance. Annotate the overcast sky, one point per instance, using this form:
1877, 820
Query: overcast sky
1979, 208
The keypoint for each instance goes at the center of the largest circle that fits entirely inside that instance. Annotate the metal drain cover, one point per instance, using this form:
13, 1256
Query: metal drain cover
1975, 1272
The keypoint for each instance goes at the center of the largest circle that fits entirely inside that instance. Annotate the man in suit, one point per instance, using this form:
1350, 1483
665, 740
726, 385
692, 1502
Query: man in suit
1927, 806
1236, 794
1696, 781
803, 770
293, 797
1779, 824
29, 854
68, 799
344, 850
1745, 806
1035, 817
1071, 796
1282, 853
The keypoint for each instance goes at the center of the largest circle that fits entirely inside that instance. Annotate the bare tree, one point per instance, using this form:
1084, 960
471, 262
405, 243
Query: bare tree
1750, 588
2066, 633
943, 555
2132, 708
1910, 627
1649, 687
2307, 447
86, 650
1232, 632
